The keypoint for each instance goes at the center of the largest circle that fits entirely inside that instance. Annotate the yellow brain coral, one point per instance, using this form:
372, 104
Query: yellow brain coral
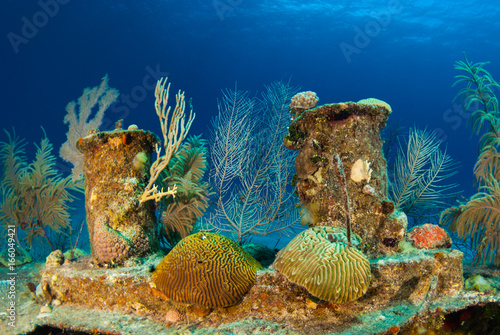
376, 102
206, 269
320, 260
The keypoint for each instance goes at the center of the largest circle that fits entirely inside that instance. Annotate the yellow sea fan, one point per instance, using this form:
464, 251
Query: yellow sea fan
190, 161
35, 195
186, 171
487, 165
191, 201
479, 220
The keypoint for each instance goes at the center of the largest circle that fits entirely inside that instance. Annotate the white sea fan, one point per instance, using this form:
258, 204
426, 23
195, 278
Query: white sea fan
79, 121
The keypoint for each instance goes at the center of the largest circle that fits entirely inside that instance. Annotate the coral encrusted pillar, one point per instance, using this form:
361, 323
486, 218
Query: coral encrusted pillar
116, 170
349, 131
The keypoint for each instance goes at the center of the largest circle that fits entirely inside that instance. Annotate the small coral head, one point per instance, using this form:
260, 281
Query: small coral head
206, 269
321, 260
304, 100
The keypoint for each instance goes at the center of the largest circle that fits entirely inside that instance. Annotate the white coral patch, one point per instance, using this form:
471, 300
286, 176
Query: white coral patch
361, 171
369, 190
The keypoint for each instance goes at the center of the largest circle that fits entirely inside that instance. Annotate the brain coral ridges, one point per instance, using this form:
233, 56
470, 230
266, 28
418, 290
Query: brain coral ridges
376, 102
206, 269
320, 260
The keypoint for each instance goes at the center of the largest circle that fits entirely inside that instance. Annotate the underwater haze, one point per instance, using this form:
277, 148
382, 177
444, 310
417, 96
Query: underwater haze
401, 52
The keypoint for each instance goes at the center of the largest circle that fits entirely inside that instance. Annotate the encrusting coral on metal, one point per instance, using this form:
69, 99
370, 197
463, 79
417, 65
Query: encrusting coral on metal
120, 179
367, 283
116, 165
402, 285
352, 132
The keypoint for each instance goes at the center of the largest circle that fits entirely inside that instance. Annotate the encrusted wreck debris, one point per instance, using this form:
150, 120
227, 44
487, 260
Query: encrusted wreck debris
116, 169
407, 291
342, 182
351, 132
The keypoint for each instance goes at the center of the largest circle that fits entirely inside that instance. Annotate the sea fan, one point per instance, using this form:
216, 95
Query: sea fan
81, 119
186, 171
478, 219
35, 196
478, 93
250, 166
420, 169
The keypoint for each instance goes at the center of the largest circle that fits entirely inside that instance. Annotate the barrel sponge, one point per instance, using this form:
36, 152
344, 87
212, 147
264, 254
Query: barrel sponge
321, 260
206, 269
376, 102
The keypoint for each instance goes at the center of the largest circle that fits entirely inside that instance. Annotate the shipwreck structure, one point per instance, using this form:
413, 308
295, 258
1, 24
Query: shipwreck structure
116, 169
341, 172
341, 179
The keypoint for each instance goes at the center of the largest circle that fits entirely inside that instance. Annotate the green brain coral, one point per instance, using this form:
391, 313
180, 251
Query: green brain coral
320, 259
376, 102
206, 269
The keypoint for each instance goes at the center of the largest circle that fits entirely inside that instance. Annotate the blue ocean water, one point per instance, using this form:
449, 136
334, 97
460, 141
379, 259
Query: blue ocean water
400, 51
